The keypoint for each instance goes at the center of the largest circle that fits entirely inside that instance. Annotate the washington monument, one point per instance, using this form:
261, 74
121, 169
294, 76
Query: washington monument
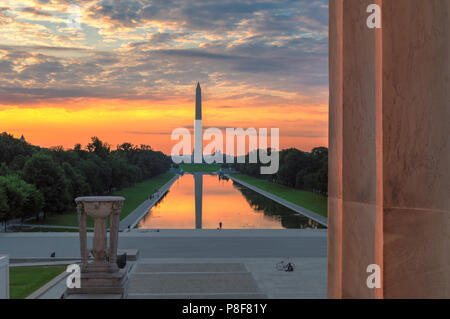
198, 156
198, 130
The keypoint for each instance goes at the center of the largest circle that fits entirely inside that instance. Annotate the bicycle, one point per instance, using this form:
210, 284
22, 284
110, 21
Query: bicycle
287, 266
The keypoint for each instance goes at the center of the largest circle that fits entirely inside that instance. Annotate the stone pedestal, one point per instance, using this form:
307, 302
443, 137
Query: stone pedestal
102, 275
389, 162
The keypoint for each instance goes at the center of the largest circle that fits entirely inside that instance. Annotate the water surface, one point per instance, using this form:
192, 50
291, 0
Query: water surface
203, 201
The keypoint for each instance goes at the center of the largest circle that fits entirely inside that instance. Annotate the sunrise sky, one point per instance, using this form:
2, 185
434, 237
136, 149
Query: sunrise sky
128, 70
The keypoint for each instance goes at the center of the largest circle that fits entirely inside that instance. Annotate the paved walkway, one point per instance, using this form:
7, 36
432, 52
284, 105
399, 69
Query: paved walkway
186, 243
203, 263
135, 216
301, 210
220, 278
227, 278
48, 226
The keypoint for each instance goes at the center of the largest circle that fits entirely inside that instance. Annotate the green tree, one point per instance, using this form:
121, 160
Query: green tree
320, 159
52, 177
4, 169
16, 196
49, 177
99, 148
19, 198
123, 173
78, 185
300, 178
291, 161
297, 169
11, 147
97, 172
4, 207
34, 202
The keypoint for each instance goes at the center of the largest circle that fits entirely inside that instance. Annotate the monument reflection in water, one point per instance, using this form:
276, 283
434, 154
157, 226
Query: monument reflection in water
203, 201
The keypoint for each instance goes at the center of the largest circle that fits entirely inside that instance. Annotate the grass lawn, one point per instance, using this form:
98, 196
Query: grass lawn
200, 167
23, 281
134, 196
137, 194
312, 201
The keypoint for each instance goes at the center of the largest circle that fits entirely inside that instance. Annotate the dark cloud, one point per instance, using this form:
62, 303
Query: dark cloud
6, 67
33, 48
258, 45
213, 15
36, 12
223, 14
21, 95
122, 13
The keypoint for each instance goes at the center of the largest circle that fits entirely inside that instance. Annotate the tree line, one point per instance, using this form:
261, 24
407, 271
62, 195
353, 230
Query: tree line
298, 169
35, 179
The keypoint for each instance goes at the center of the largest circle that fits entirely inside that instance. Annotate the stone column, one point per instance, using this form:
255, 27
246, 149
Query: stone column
83, 235
99, 249
389, 171
113, 235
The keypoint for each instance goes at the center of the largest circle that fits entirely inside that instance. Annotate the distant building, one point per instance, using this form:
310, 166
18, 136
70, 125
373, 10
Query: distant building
22, 138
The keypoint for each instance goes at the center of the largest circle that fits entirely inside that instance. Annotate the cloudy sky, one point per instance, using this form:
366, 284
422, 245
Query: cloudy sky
127, 70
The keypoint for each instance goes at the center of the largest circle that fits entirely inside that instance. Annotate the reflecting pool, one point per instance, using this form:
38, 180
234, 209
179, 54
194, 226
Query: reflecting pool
204, 201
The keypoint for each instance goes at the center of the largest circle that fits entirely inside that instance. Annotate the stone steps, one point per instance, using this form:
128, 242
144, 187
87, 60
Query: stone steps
192, 281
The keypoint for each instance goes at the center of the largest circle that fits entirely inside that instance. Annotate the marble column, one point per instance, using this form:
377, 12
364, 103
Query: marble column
389, 171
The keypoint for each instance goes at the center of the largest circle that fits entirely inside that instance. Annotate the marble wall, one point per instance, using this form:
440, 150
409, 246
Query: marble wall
389, 170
